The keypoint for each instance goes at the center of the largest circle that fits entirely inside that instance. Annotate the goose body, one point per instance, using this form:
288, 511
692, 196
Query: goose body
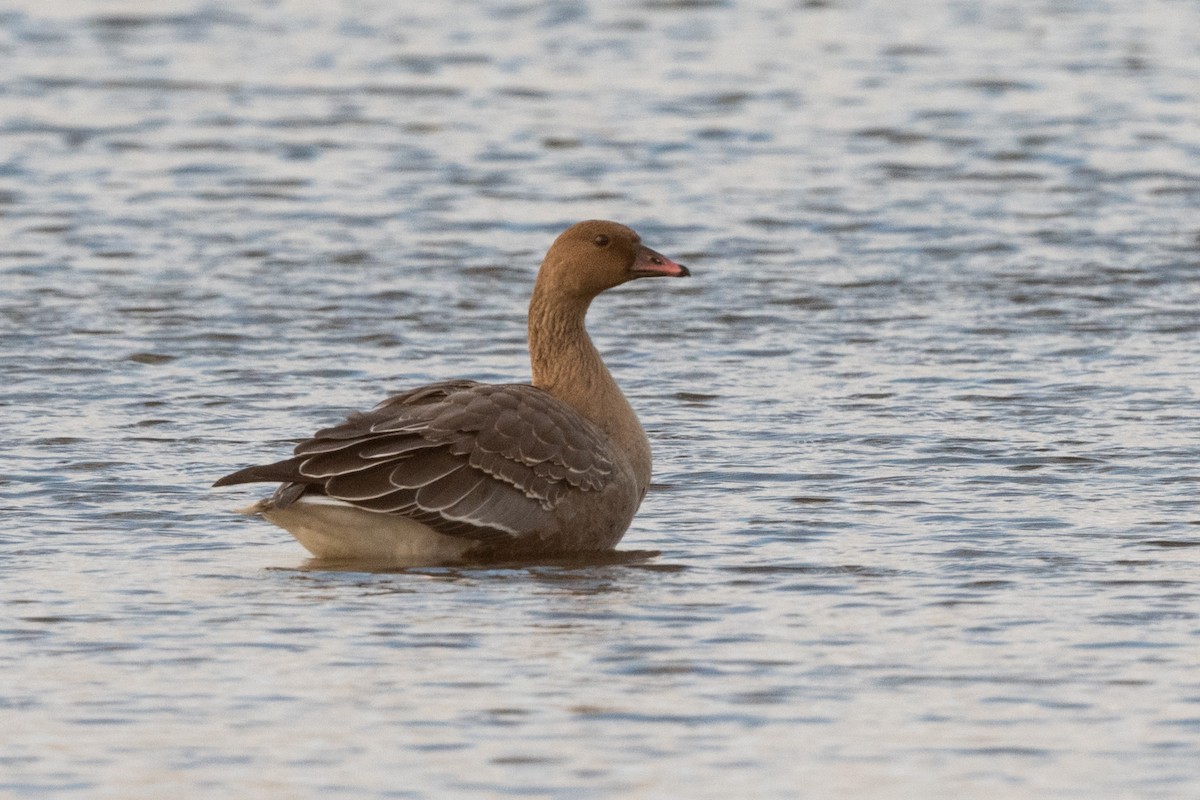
460, 470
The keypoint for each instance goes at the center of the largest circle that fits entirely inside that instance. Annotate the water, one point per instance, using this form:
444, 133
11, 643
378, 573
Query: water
925, 419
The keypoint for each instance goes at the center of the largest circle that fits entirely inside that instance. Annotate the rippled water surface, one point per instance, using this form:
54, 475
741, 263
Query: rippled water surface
926, 422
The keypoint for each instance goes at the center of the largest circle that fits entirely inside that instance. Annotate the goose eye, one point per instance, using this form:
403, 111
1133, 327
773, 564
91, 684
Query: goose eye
601, 240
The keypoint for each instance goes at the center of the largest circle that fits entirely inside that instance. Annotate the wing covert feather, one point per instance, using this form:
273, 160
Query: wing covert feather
468, 459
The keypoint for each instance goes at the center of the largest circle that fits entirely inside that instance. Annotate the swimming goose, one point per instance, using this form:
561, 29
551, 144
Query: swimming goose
460, 470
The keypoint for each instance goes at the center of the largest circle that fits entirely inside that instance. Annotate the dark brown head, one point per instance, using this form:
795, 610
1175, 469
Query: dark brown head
595, 255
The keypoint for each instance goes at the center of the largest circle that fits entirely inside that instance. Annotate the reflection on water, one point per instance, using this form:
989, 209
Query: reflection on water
924, 518
589, 562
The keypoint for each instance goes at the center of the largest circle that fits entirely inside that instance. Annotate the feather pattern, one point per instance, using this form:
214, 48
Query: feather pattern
467, 459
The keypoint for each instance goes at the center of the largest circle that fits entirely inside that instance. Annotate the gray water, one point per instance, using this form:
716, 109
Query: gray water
925, 518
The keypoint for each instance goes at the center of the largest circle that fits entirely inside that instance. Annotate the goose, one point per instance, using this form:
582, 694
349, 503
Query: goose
463, 471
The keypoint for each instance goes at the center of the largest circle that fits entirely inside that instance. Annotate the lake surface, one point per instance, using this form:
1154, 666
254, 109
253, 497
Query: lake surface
926, 419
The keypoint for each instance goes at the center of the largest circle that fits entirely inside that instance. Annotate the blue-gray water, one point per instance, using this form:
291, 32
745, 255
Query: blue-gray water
926, 419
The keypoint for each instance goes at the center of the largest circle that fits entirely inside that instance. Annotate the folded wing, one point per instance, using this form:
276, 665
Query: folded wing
469, 459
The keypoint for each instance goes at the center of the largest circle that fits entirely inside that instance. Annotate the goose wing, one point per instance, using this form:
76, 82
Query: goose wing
483, 461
